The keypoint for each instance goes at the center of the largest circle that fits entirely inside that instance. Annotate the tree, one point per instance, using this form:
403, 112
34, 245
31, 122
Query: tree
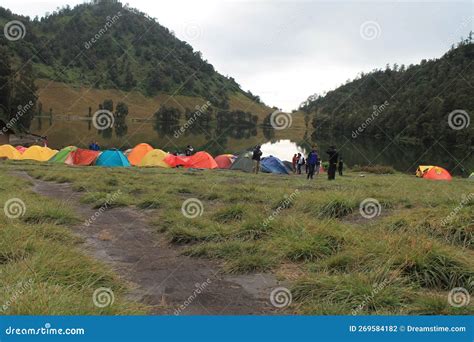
121, 112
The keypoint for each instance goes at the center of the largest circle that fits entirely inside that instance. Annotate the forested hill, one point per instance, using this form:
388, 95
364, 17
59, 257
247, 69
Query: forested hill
412, 103
110, 46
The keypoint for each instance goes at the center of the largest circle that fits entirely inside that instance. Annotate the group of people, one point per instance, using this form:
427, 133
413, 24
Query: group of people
312, 163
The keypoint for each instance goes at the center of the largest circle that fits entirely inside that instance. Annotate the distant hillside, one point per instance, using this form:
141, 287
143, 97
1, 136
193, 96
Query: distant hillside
110, 46
412, 104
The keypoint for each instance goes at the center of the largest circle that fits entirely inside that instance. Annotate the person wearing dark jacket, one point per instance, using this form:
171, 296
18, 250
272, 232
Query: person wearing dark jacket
333, 158
189, 151
257, 155
312, 161
340, 166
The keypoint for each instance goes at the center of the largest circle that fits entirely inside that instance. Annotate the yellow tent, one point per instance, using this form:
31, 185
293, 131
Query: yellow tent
422, 169
155, 158
9, 152
38, 153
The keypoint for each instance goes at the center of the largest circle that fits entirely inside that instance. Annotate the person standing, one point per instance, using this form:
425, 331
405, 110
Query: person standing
333, 158
294, 161
301, 162
312, 161
257, 155
340, 166
189, 151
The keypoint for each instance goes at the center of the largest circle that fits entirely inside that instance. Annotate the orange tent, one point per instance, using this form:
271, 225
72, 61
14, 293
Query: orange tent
200, 160
138, 153
224, 161
437, 173
175, 161
84, 157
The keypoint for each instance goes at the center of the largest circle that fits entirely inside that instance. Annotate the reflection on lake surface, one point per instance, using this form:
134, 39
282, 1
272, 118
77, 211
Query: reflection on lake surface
219, 138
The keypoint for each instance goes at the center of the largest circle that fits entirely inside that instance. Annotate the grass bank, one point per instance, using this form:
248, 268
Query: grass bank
403, 254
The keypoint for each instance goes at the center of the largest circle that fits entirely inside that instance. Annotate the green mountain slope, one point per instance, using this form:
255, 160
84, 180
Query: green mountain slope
110, 46
409, 104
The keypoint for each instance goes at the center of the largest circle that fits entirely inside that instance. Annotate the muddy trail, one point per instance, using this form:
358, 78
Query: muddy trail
160, 275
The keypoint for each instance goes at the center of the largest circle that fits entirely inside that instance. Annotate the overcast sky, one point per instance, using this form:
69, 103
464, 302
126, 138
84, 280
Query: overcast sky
285, 51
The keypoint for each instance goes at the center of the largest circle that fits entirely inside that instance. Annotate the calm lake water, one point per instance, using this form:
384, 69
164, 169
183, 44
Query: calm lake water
279, 143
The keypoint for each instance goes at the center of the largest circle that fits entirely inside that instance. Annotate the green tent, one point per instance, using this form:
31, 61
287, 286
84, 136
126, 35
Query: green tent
62, 155
244, 162
471, 177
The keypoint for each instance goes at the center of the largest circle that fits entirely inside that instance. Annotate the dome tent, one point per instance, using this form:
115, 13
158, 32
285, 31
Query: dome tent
62, 155
84, 157
112, 158
38, 153
9, 152
437, 173
243, 162
273, 165
155, 158
200, 160
224, 161
138, 153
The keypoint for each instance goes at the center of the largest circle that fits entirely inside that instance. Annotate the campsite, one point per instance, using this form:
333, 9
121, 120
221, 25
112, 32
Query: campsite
241, 234
138, 179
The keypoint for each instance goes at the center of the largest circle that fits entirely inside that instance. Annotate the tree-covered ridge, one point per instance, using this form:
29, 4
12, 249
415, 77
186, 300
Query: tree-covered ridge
108, 45
407, 103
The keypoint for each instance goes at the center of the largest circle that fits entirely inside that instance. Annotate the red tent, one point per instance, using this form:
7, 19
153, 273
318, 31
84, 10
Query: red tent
224, 161
437, 173
200, 160
84, 157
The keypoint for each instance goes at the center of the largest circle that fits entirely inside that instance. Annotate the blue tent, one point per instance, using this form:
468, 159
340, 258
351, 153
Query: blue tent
112, 158
273, 165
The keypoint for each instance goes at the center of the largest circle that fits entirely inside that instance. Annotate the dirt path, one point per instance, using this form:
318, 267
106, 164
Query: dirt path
164, 279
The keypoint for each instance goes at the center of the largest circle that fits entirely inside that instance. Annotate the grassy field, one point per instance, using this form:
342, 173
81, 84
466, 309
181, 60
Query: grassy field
310, 234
